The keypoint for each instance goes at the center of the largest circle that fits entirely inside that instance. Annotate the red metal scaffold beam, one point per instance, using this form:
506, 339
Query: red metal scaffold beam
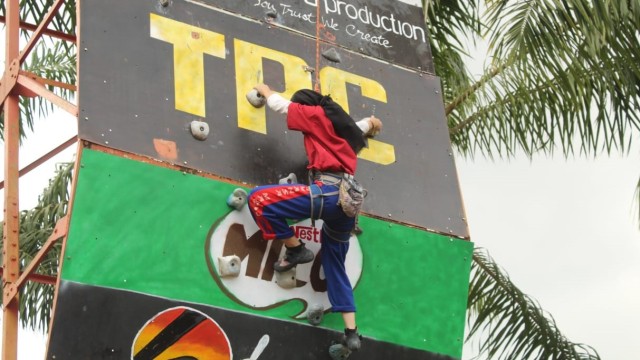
16, 83
11, 251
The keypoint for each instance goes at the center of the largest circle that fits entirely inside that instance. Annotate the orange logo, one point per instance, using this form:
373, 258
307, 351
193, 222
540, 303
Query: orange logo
181, 333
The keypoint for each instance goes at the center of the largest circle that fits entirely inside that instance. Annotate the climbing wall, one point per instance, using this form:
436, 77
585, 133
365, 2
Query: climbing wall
168, 135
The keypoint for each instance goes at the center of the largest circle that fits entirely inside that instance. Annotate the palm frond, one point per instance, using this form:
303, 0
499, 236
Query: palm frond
54, 62
565, 80
450, 24
33, 11
51, 59
512, 324
36, 226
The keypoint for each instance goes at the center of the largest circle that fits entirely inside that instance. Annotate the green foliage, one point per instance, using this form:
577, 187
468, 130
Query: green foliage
445, 21
33, 11
36, 225
512, 324
49, 59
560, 74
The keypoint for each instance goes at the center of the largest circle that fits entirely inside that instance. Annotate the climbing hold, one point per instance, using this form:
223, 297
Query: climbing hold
291, 179
339, 352
229, 266
237, 199
332, 55
256, 99
357, 230
286, 279
199, 129
315, 314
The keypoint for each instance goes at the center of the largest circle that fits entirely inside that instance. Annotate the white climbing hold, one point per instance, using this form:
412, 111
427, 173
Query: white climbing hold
229, 266
290, 179
286, 279
199, 130
237, 199
256, 99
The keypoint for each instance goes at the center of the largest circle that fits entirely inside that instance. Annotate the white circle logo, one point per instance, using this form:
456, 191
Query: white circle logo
253, 284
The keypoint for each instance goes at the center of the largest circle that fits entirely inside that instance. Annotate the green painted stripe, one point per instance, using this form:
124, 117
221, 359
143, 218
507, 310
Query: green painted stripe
141, 227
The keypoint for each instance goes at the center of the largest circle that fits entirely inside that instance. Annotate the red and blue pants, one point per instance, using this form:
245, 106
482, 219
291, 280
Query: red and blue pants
272, 205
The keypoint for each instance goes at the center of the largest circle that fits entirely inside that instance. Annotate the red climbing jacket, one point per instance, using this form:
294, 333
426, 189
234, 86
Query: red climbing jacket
326, 151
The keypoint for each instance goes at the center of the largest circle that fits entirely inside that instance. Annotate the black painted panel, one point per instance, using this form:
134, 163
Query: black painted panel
100, 323
390, 30
128, 99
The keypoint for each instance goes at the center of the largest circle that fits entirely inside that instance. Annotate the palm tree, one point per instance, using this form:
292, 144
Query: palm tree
562, 75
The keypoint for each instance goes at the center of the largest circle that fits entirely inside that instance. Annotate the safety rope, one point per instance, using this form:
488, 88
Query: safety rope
316, 87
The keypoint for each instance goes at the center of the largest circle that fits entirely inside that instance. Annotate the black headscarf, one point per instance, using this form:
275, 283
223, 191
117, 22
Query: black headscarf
343, 124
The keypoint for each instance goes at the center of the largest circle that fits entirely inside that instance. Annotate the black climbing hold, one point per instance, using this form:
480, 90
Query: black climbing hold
339, 352
315, 314
332, 55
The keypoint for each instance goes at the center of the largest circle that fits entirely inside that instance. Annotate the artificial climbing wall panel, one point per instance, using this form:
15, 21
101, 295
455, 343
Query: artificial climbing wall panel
141, 276
148, 72
141, 280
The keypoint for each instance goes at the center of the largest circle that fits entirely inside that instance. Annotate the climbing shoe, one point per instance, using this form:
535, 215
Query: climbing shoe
294, 256
352, 339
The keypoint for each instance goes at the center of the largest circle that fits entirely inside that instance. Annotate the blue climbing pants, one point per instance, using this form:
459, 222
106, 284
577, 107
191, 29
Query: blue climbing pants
272, 205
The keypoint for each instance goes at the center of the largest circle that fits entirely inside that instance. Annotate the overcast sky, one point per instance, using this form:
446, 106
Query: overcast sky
564, 230
566, 234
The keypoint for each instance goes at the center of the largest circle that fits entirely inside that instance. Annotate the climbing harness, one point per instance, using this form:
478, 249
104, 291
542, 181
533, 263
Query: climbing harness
317, 201
350, 194
350, 198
